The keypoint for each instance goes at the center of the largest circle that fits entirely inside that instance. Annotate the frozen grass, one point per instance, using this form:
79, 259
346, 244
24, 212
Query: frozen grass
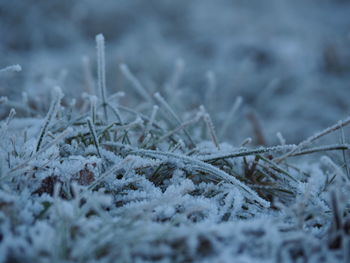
110, 184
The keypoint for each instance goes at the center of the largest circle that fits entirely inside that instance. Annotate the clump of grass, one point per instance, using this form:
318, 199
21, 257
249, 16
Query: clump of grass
152, 179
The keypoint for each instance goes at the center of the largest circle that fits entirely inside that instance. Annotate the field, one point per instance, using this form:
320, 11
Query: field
174, 131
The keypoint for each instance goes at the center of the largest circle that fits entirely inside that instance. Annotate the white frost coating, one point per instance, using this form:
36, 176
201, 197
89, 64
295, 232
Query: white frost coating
3, 99
281, 139
210, 125
172, 113
135, 82
93, 103
42, 150
101, 71
231, 115
54, 107
167, 107
12, 68
211, 79
90, 87
314, 137
151, 119
178, 72
147, 208
180, 127
209, 169
11, 116
247, 152
246, 141
94, 135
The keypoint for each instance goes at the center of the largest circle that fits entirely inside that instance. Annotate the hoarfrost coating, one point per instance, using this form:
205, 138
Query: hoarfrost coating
181, 134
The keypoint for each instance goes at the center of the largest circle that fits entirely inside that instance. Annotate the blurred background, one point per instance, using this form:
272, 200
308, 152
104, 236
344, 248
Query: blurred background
288, 60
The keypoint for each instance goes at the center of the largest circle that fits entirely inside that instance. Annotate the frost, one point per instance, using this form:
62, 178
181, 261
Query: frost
13, 68
108, 176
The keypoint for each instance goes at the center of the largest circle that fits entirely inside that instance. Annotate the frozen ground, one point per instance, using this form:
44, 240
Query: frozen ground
176, 182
